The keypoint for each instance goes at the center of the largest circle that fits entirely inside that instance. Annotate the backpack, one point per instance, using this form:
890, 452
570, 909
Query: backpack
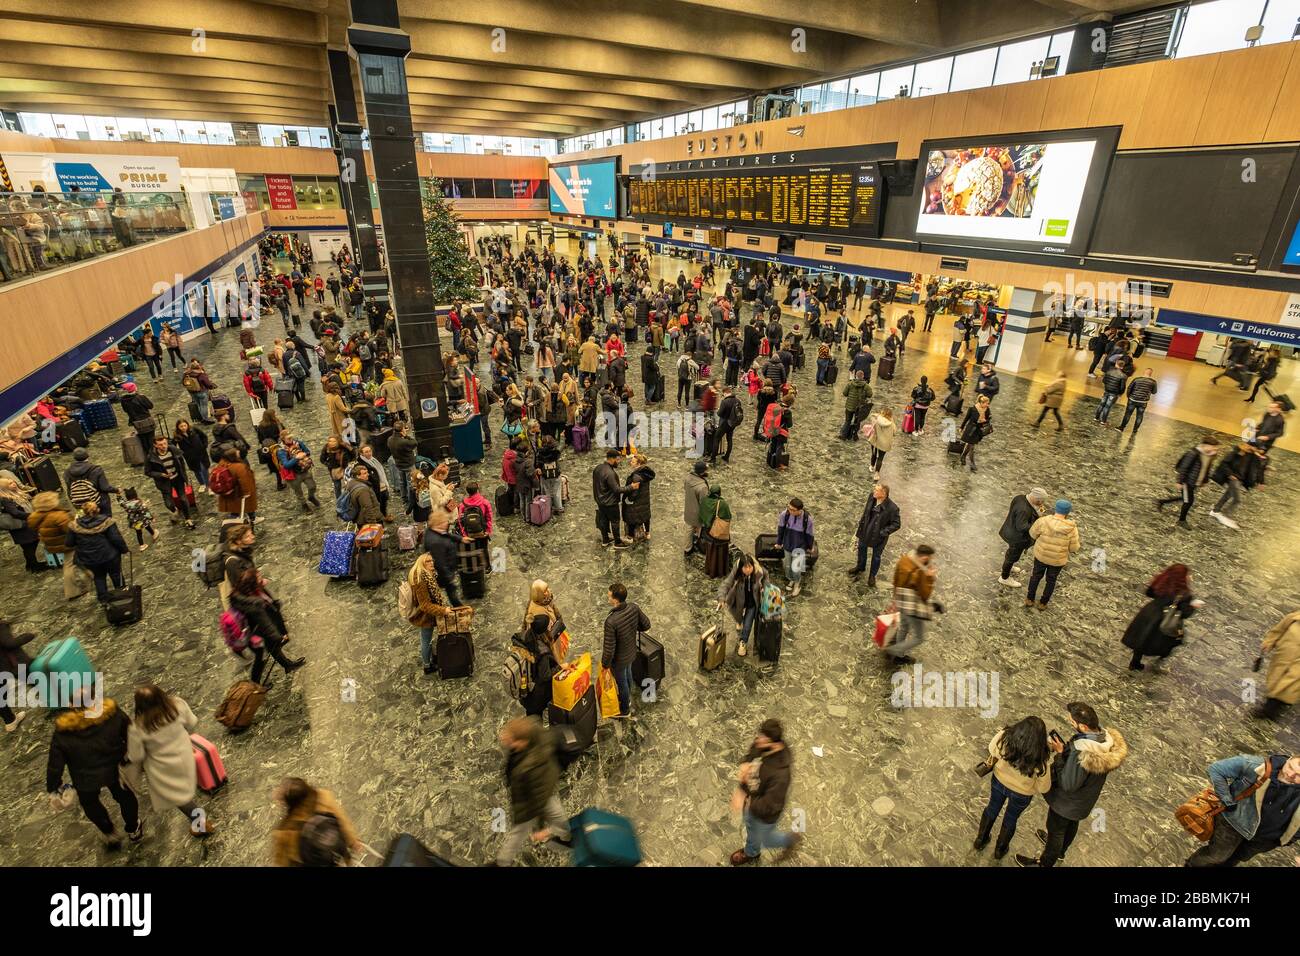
257, 385
191, 383
82, 491
737, 414
320, 841
772, 420
214, 569
472, 521
771, 605
519, 670
363, 352
234, 630
343, 506
222, 481
296, 368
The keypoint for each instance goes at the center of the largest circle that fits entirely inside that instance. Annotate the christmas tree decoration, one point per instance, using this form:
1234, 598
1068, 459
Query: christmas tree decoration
454, 274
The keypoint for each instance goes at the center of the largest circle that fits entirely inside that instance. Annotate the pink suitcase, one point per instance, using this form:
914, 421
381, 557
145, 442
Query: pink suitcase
212, 772
539, 512
407, 537
581, 438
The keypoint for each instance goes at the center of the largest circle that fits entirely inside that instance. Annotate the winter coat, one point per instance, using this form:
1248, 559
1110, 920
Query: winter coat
90, 748
1020, 518
363, 503
96, 540
1054, 394
713, 506
532, 774
1013, 779
165, 758
429, 601
1282, 645
884, 433
1056, 537
396, 398
153, 467
879, 520
636, 504
194, 449
338, 410
24, 534
857, 394
972, 431
622, 625
1080, 772
245, 484
94, 474
285, 837
732, 592
767, 799
696, 490
50, 522
988, 385
1143, 633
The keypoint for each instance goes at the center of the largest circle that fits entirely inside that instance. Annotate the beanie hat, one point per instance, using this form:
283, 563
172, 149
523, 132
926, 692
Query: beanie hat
701, 468
81, 454
129, 387
1063, 507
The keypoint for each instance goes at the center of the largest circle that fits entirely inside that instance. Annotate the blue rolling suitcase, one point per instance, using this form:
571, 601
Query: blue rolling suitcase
99, 414
68, 669
603, 839
336, 559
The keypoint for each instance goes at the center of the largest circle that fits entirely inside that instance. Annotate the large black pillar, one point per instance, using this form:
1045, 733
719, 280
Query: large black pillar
381, 48
354, 182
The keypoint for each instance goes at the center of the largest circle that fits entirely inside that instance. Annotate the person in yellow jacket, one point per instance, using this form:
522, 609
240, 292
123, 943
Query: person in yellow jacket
1056, 537
1282, 647
396, 399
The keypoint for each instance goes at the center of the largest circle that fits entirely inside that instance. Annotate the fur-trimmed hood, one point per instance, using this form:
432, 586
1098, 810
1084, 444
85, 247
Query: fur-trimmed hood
1104, 755
72, 721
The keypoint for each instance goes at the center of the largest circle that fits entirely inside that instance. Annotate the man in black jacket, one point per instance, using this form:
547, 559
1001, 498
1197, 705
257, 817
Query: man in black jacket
608, 492
443, 545
402, 450
622, 625
139, 413
1192, 470
1078, 774
730, 414
761, 791
166, 466
880, 518
1024, 511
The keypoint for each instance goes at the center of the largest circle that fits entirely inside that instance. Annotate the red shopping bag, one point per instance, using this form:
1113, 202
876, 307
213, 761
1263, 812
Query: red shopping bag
909, 421
189, 496
886, 627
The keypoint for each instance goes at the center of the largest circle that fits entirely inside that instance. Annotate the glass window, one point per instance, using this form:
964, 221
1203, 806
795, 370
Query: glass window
895, 81
811, 97
220, 134
37, 124
70, 126
1217, 25
320, 137
696, 121
133, 127
932, 77
1280, 20
102, 127
270, 135
863, 89
973, 70
1015, 60
837, 95
164, 131
657, 128
1062, 43
710, 118
191, 132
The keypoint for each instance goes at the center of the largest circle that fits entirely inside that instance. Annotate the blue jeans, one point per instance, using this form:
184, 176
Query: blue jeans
623, 678
357, 312
201, 400
1107, 402
426, 646
822, 365
201, 473
760, 836
787, 564
877, 553
747, 623
1016, 803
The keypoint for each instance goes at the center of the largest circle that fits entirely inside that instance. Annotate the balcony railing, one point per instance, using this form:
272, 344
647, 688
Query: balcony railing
42, 232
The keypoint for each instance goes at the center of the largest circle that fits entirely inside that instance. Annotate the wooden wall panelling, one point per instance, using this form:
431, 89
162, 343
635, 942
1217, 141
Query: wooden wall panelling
1243, 94
1174, 103
1022, 110
948, 118
1068, 100
984, 111
1284, 124
1119, 98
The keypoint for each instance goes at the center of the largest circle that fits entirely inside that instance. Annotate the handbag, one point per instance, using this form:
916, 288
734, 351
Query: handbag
720, 530
985, 766
1171, 621
1196, 816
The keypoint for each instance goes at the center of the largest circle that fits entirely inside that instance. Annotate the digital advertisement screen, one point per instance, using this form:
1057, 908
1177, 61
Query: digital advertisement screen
585, 189
1291, 262
1037, 192
835, 199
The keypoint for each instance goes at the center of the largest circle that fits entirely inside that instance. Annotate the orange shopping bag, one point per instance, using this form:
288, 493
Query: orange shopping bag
568, 687
607, 692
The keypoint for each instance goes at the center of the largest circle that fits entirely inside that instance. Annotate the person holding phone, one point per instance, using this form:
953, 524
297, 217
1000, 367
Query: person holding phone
1021, 760
1079, 772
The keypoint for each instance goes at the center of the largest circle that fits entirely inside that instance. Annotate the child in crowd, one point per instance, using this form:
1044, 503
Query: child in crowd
139, 517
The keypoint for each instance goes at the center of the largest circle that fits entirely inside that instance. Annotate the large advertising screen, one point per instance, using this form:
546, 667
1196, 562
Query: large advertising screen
834, 199
585, 189
1037, 191
1291, 262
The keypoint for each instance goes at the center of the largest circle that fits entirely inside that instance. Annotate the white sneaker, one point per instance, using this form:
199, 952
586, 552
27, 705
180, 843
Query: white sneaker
1009, 582
740, 650
1225, 520
259, 519
18, 719
795, 589
1015, 569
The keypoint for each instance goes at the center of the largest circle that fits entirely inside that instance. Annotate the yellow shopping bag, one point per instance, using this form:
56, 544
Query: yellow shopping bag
568, 687
607, 692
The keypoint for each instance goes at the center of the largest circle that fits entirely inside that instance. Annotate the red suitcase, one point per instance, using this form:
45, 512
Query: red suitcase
211, 771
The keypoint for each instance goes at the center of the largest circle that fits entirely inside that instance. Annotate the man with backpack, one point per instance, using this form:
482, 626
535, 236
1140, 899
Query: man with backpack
87, 481
777, 420
687, 372
794, 536
533, 775
257, 382
295, 366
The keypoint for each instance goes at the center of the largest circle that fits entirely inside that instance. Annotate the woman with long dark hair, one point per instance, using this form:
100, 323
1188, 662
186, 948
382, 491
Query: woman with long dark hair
160, 753
1021, 761
1158, 627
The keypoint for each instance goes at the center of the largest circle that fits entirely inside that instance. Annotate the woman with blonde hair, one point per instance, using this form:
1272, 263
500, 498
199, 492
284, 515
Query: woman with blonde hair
541, 601
15, 510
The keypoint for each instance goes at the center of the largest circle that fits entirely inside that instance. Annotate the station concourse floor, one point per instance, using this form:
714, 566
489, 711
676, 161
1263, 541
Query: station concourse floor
873, 785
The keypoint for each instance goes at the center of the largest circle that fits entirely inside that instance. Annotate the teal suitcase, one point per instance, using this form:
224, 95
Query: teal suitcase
67, 668
603, 839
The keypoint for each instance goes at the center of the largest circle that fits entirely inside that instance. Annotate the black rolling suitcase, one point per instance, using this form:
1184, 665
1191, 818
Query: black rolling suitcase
885, 368
42, 474
406, 850
767, 635
455, 655
371, 565
766, 548
832, 372
649, 661
473, 584
125, 606
71, 435
505, 501
194, 411
575, 729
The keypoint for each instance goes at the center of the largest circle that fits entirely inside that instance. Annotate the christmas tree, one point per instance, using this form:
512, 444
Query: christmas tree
455, 275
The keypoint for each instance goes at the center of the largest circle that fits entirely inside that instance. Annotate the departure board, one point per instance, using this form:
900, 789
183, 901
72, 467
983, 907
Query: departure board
842, 198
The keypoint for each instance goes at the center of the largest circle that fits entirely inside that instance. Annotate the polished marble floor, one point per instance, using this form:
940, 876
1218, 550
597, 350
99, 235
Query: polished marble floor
873, 785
